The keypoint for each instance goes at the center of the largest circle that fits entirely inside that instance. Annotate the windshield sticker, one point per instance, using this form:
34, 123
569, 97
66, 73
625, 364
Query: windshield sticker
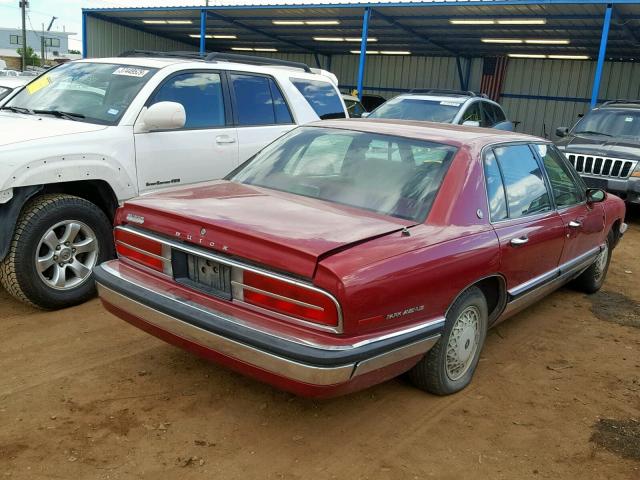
450, 104
113, 111
628, 119
131, 72
38, 84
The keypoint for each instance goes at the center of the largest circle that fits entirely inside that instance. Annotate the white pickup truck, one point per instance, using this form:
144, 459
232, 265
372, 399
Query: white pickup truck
85, 136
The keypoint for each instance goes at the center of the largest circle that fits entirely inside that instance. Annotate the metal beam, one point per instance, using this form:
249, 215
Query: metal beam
460, 76
257, 30
467, 75
363, 49
621, 22
203, 32
411, 31
601, 55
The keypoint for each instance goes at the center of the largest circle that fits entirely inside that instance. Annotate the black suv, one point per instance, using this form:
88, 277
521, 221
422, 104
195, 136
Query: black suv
604, 146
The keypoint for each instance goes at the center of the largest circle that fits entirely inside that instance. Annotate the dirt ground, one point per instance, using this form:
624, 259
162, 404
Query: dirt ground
84, 395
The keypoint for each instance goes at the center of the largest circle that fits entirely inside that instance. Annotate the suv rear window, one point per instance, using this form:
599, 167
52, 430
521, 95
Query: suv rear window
322, 96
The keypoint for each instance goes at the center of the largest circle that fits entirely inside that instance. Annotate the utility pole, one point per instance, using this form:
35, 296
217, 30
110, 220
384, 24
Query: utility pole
42, 46
23, 5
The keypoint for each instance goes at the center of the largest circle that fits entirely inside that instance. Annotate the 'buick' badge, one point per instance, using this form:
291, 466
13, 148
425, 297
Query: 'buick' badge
139, 219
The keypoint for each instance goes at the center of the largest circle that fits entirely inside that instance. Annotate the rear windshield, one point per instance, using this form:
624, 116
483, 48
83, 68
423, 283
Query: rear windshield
418, 109
610, 123
386, 174
322, 96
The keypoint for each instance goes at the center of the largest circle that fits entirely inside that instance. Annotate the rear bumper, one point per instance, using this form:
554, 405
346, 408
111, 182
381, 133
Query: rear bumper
289, 363
626, 188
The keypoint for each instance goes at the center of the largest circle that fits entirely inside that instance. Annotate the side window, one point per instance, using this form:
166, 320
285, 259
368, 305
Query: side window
201, 96
322, 96
565, 189
256, 102
472, 113
523, 180
495, 188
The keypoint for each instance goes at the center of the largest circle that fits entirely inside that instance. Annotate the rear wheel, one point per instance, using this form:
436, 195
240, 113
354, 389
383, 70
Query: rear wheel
592, 279
57, 241
449, 366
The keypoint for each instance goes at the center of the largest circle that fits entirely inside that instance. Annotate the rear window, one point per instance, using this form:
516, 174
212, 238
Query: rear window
390, 175
322, 96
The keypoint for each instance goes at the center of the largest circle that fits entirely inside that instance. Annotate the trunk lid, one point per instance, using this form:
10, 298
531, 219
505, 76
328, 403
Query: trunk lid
283, 231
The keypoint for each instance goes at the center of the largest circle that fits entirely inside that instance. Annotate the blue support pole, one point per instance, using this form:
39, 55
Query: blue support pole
203, 32
363, 49
84, 35
601, 56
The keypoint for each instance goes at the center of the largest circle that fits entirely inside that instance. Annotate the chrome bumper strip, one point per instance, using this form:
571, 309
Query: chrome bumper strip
278, 365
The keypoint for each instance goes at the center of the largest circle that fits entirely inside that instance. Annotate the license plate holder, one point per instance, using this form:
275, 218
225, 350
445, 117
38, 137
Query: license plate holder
203, 274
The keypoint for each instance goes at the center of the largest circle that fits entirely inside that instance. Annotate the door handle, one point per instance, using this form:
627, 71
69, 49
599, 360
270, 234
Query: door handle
225, 139
516, 242
575, 224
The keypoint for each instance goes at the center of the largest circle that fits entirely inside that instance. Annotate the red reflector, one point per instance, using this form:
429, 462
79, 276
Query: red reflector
299, 302
133, 243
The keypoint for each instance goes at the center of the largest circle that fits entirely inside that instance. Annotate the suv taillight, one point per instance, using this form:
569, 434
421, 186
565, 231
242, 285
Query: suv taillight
289, 299
143, 250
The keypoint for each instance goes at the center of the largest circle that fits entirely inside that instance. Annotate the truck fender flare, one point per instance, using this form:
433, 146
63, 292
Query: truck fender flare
9, 213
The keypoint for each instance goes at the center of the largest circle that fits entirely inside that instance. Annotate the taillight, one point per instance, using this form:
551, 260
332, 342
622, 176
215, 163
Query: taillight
289, 299
143, 250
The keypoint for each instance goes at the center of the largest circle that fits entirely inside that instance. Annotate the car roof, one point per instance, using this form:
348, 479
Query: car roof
459, 99
455, 135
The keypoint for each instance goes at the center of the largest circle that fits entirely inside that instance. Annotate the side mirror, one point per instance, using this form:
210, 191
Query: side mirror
164, 116
562, 131
471, 123
365, 114
595, 195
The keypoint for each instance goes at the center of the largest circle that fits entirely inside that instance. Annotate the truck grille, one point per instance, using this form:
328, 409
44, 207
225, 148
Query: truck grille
601, 166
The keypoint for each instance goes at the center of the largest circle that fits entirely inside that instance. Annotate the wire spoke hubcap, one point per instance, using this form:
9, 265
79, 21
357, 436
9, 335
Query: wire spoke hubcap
463, 343
601, 263
66, 254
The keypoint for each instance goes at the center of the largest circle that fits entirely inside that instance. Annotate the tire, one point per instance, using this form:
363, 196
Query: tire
592, 279
434, 373
67, 279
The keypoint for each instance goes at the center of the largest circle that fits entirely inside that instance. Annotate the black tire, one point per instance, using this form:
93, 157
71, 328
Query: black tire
430, 374
18, 271
592, 279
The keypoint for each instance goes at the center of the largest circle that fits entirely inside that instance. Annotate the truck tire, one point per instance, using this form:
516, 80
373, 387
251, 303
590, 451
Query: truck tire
57, 241
592, 279
449, 366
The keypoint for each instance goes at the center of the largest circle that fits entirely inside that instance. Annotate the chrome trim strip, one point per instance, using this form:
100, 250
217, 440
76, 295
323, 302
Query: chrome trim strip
540, 280
187, 304
412, 350
232, 263
239, 351
275, 295
301, 372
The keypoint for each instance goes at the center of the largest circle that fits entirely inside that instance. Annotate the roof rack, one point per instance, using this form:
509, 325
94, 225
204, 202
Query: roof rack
620, 100
219, 56
254, 60
445, 91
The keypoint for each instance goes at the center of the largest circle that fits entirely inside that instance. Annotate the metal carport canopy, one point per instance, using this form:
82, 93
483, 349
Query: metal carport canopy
588, 29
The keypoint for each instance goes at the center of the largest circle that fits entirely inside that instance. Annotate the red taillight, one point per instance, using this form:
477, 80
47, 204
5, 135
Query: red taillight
289, 299
140, 249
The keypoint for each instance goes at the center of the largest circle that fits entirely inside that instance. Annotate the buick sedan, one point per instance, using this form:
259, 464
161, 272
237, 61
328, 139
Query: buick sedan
349, 252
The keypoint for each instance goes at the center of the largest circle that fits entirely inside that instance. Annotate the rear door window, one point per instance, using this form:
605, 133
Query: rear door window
495, 188
524, 181
258, 101
322, 96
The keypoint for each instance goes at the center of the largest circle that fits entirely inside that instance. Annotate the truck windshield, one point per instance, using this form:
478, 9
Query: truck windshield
386, 174
84, 91
610, 123
418, 109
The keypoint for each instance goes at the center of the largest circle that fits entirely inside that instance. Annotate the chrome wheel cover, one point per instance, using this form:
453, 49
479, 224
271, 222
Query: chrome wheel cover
66, 254
601, 263
463, 343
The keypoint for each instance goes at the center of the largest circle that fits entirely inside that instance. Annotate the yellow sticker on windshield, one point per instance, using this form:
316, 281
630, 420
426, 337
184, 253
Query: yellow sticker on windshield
38, 84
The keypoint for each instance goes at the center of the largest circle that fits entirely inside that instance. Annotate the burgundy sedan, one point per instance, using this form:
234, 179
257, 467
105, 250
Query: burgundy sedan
349, 252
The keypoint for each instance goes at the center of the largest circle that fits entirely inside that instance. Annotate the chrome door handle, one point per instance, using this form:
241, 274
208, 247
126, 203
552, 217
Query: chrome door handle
575, 224
516, 242
225, 139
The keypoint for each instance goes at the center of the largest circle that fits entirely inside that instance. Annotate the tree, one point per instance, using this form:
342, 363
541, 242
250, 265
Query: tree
32, 58
77, 52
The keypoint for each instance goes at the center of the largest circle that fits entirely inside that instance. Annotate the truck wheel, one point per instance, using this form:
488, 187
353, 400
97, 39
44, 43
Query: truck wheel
592, 279
449, 366
57, 241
